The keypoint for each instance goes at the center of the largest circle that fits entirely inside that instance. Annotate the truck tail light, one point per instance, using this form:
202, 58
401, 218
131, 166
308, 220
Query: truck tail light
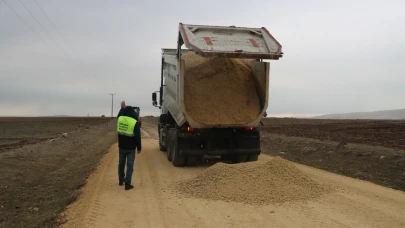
190, 129
249, 129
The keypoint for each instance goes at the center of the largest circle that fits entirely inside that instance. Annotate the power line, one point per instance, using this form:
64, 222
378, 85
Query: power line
53, 40
60, 34
54, 27
38, 35
32, 30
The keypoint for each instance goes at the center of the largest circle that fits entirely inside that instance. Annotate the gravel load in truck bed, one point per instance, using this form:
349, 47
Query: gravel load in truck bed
219, 90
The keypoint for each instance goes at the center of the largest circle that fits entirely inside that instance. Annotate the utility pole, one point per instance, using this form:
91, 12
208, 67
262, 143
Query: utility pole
112, 103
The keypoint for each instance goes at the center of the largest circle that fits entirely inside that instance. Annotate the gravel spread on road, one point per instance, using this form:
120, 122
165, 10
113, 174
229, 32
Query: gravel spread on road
273, 181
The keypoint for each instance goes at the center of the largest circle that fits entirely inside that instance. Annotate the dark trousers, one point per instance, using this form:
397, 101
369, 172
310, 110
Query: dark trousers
129, 157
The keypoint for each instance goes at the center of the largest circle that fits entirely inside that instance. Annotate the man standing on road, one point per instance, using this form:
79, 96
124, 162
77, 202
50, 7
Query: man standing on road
129, 140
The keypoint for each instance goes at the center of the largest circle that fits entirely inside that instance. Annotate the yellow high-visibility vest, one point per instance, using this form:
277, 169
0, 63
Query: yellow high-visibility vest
126, 126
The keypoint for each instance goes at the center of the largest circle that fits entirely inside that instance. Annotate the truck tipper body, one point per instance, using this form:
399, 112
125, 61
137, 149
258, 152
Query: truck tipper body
184, 138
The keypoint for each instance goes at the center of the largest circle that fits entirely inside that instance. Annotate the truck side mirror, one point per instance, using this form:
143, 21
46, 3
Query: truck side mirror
154, 97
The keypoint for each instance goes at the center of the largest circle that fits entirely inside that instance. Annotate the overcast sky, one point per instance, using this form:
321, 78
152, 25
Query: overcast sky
339, 56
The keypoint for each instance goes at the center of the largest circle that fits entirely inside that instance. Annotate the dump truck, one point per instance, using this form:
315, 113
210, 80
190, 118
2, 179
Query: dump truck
187, 137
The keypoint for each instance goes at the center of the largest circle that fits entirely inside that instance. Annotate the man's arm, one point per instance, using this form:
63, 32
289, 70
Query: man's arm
119, 113
138, 136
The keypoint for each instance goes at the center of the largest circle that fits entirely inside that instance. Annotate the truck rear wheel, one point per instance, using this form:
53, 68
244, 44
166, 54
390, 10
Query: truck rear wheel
252, 158
228, 157
235, 158
191, 161
241, 158
177, 159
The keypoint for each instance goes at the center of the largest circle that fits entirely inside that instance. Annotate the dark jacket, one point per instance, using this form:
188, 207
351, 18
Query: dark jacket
121, 112
126, 142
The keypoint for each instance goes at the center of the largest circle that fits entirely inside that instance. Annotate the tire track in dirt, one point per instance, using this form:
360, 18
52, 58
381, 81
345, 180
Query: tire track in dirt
156, 198
98, 208
153, 219
145, 213
159, 161
91, 198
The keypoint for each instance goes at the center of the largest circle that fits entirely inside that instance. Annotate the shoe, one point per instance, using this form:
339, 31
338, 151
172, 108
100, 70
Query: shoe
128, 186
121, 182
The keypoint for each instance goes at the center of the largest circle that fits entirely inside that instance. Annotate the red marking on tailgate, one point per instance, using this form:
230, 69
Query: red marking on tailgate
208, 41
253, 43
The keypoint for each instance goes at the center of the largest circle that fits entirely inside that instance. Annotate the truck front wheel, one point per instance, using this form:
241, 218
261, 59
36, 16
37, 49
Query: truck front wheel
162, 120
161, 147
169, 145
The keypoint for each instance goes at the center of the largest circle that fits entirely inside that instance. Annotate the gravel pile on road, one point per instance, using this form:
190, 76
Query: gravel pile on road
219, 90
274, 181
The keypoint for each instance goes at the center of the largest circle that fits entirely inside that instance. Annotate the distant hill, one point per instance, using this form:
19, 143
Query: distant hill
378, 115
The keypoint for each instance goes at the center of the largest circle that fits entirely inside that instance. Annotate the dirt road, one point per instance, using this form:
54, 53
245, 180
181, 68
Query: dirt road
104, 203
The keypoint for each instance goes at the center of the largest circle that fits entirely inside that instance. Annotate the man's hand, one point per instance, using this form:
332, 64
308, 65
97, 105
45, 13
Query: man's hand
138, 151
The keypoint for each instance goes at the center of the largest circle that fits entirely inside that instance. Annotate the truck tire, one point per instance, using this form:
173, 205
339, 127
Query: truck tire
227, 157
241, 158
169, 145
177, 159
191, 161
252, 158
161, 147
